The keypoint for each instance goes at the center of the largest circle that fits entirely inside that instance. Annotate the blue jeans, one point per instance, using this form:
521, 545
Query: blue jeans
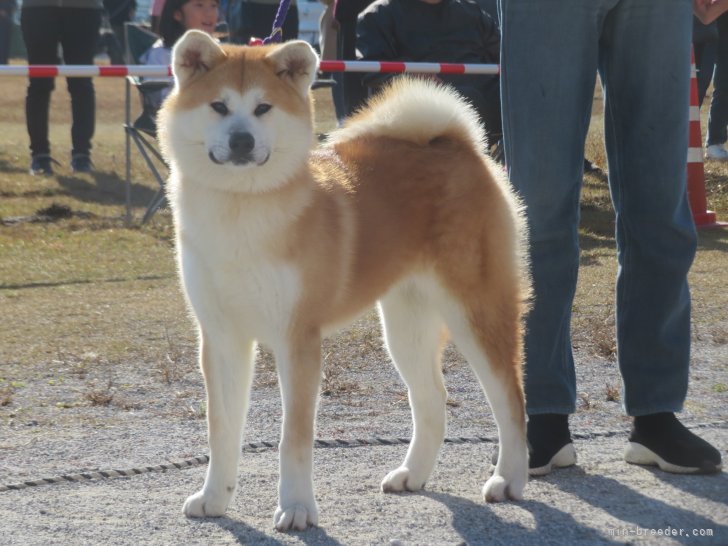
551, 52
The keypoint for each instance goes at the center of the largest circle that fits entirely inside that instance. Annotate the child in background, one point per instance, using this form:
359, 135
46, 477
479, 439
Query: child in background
178, 16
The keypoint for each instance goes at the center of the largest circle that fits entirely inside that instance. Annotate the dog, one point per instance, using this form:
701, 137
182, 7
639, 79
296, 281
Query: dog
282, 244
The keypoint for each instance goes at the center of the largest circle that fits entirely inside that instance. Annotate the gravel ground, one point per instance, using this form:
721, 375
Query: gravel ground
51, 429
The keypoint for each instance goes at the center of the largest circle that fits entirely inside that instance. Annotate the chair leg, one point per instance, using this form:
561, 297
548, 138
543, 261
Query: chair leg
157, 201
127, 124
145, 149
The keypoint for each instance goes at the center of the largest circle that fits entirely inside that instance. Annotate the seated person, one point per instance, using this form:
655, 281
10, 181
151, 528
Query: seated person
178, 16
443, 31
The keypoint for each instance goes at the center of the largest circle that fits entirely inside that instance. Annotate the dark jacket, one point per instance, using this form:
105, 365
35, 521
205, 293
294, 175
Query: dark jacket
454, 31
120, 11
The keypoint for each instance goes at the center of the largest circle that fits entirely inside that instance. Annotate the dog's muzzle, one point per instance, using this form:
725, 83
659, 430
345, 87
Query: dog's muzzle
241, 145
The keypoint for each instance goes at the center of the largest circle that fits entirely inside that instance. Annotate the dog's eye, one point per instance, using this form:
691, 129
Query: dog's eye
220, 107
262, 109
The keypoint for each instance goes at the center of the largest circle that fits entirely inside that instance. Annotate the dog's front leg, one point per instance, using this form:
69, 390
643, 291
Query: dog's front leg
227, 365
299, 369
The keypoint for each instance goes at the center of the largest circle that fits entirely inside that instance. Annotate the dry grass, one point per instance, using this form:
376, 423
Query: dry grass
6, 395
84, 294
612, 393
100, 396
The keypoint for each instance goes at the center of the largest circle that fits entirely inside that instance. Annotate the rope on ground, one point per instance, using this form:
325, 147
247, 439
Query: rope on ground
263, 446
204, 459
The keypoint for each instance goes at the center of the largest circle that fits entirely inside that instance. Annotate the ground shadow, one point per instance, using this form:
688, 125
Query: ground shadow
713, 239
626, 504
713, 488
8, 166
245, 534
107, 188
477, 524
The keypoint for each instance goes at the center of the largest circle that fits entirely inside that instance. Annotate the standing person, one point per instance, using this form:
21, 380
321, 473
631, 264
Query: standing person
155, 12
550, 54
708, 11
444, 31
74, 25
328, 44
705, 43
345, 14
177, 17
7, 10
254, 19
119, 12
717, 135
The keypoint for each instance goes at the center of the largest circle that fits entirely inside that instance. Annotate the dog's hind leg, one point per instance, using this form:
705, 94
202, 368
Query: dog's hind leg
227, 365
299, 370
414, 334
488, 338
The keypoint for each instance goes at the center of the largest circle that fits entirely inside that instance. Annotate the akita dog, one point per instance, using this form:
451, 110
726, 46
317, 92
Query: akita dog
280, 244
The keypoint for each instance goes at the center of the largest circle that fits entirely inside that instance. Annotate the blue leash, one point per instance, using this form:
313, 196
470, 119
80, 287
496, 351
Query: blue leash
276, 35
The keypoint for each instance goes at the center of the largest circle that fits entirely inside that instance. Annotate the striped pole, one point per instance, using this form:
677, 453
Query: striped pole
159, 71
703, 217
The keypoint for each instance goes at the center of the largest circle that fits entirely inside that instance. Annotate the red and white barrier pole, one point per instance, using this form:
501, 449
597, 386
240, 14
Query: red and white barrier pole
696, 173
152, 71
703, 217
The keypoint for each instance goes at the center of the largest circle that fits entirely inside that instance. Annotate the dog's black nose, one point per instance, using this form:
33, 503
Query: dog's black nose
241, 144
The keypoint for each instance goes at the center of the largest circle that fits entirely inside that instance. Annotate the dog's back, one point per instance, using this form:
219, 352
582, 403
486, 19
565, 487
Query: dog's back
422, 195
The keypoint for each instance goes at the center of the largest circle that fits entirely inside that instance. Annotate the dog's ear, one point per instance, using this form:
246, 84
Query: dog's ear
194, 54
296, 62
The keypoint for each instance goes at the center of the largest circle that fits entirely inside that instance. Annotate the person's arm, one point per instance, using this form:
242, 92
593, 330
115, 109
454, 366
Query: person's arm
709, 10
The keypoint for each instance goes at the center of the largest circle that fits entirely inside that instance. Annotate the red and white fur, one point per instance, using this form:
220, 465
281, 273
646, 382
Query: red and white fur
280, 244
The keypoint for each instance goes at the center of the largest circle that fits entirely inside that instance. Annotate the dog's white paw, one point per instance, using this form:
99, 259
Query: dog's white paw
498, 488
402, 479
201, 505
296, 517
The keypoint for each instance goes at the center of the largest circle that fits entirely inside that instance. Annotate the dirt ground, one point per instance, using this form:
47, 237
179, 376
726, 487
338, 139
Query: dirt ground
601, 500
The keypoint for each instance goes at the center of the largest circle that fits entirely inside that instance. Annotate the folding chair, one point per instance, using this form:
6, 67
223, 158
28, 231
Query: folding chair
143, 130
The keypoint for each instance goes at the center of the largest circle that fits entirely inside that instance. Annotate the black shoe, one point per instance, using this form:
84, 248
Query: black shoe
660, 439
549, 444
42, 164
81, 163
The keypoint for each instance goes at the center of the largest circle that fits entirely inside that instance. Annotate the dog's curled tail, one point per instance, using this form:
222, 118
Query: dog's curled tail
417, 110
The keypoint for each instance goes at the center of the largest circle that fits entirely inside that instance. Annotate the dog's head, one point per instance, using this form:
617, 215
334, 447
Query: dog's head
239, 118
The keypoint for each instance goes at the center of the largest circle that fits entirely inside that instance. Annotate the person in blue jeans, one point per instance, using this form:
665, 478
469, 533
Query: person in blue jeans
551, 51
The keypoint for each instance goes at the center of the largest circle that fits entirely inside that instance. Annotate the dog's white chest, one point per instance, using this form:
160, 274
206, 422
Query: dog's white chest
232, 279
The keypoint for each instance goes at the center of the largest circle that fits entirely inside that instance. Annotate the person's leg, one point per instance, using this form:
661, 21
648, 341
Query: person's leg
6, 30
355, 93
646, 93
41, 30
330, 50
644, 64
548, 72
718, 116
80, 29
704, 47
546, 104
